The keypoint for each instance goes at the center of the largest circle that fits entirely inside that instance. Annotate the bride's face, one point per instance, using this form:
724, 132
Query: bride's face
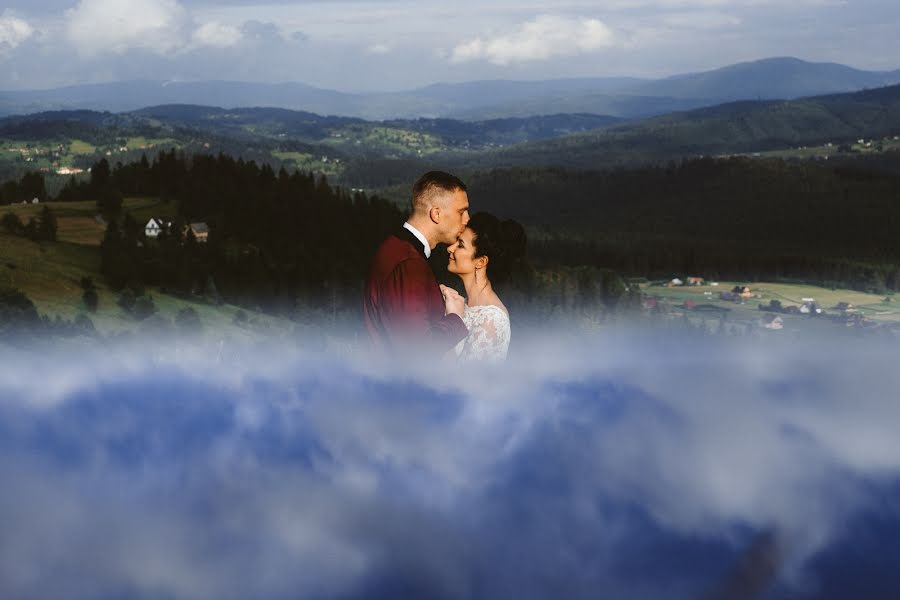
462, 253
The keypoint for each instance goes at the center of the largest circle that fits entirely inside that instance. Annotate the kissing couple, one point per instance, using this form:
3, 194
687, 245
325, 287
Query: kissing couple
404, 308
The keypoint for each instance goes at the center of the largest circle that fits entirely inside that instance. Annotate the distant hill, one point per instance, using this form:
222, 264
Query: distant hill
736, 127
771, 78
282, 125
621, 97
620, 105
431, 101
767, 79
131, 95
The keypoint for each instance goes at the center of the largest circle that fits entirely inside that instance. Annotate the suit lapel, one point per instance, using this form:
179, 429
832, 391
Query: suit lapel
407, 235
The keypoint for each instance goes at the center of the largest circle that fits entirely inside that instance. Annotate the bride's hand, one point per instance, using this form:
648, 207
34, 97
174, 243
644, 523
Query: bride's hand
453, 302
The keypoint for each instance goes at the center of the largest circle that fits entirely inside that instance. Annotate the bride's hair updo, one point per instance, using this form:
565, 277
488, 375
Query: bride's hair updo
503, 242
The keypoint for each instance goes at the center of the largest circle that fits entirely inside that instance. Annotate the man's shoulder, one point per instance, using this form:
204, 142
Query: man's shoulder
395, 248
393, 255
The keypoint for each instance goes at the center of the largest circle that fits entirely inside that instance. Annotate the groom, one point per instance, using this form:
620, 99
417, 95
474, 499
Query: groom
403, 306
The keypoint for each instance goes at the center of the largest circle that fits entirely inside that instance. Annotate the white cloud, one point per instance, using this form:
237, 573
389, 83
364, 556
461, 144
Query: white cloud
542, 38
13, 31
103, 26
378, 49
216, 35
701, 20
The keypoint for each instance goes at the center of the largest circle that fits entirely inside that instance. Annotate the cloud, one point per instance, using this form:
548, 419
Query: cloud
627, 466
115, 26
261, 31
701, 20
542, 38
216, 35
379, 48
13, 31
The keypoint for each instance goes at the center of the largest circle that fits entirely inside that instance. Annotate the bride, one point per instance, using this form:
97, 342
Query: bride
484, 252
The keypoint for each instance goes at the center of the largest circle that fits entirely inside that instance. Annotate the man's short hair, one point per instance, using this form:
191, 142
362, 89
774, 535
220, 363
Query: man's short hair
432, 184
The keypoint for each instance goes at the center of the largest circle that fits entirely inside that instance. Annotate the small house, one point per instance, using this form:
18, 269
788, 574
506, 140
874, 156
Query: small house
155, 226
675, 282
845, 307
810, 308
200, 231
694, 281
743, 291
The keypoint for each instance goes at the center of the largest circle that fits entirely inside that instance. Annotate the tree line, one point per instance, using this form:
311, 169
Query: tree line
276, 239
735, 218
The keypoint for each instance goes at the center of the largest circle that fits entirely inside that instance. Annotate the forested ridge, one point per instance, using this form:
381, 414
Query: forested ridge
732, 217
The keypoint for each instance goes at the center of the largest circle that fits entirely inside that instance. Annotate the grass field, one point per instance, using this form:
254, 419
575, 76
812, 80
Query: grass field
872, 306
831, 150
50, 273
144, 143
81, 147
308, 162
399, 141
77, 223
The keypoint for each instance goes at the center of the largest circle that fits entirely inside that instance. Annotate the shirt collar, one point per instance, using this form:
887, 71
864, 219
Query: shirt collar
419, 237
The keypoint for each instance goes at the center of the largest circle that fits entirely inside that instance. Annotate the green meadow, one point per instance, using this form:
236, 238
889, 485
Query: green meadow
50, 274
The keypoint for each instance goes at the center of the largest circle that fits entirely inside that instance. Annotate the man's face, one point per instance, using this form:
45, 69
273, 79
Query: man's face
455, 217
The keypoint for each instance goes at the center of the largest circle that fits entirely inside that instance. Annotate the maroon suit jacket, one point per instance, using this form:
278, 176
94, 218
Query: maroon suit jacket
402, 304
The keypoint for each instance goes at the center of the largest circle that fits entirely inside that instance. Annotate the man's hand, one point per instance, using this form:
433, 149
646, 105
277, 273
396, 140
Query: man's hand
453, 302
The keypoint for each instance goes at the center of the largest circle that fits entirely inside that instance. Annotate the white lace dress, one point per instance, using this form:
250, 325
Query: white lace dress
488, 338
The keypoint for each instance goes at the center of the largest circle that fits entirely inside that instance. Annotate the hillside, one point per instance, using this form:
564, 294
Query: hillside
50, 274
333, 146
739, 127
772, 78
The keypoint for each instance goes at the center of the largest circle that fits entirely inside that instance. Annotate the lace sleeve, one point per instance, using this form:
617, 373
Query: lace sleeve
489, 334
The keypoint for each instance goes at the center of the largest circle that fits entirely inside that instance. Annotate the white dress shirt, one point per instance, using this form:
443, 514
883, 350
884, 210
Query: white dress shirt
419, 237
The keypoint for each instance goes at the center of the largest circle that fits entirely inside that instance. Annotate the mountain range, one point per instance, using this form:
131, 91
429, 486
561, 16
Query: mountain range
734, 127
621, 97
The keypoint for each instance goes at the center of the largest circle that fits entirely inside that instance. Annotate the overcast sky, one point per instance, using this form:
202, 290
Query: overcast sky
355, 45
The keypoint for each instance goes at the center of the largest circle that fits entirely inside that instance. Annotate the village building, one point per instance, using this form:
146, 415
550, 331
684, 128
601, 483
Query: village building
155, 226
810, 308
200, 231
743, 291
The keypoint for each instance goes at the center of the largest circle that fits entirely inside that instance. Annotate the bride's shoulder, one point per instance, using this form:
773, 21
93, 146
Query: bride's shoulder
495, 310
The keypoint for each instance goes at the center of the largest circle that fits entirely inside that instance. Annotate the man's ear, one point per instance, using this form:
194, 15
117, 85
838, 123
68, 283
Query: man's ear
435, 213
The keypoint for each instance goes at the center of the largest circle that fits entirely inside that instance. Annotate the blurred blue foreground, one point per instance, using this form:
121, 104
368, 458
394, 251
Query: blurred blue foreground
636, 468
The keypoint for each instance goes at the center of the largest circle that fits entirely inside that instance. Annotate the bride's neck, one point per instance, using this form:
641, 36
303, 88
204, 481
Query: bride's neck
478, 289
